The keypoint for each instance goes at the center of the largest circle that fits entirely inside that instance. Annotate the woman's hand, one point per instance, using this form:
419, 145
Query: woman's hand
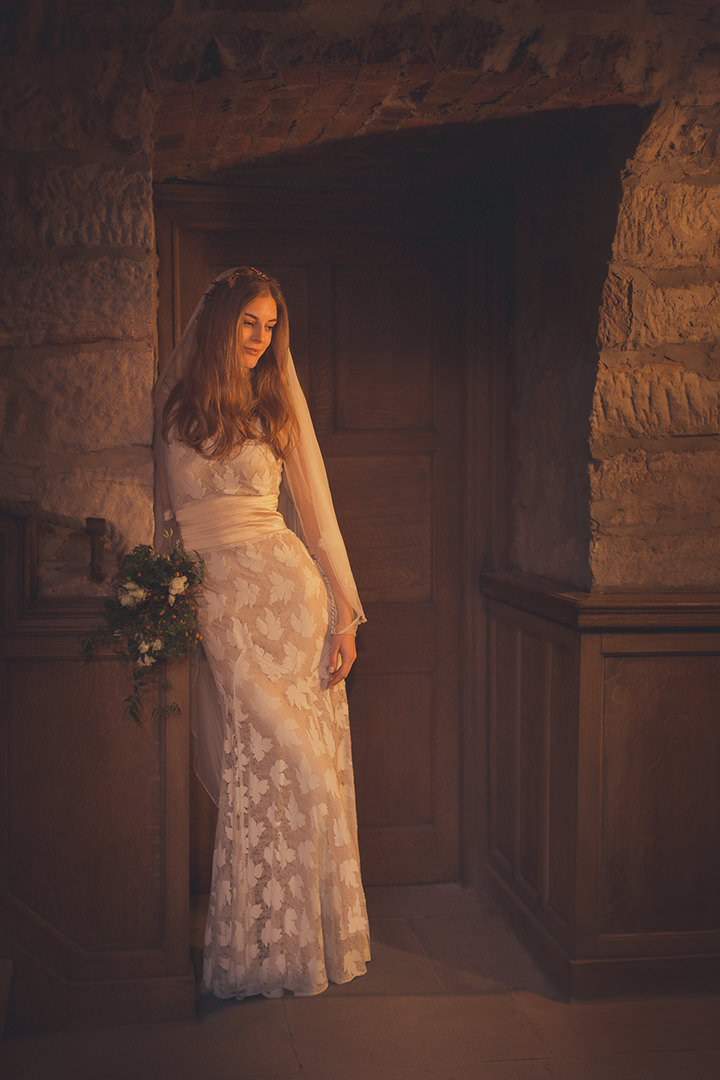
342, 657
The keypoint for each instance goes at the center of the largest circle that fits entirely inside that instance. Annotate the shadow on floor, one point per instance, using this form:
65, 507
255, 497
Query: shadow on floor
431, 939
450, 995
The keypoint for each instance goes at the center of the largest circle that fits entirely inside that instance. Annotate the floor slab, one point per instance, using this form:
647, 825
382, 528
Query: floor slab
450, 995
470, 956
400, 964
447, 1036
688, 1065
593, 1028
252, 1036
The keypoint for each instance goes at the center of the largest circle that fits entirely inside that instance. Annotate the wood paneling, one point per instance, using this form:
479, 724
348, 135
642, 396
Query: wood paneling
63, 860
661, 791
560, 772
604, 757
394, 768
94, 898
503, 749
532, 762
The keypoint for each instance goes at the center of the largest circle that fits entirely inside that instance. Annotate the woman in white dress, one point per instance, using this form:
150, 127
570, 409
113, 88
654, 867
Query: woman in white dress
278, 618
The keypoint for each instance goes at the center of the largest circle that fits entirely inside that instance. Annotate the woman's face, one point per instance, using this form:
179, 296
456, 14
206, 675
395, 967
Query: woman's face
257, 321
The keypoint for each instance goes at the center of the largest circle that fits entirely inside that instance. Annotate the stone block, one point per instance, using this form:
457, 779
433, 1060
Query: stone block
654, 400
131, 117
330, 96
78, 400
85, 205
615, 313
649, 494
175, 114
18, 482
118, 487
76, 300
699, 86
661, 563
637, 314
86, 100
670, 225
39, 111
270, 144
676, 313
303, 75
683, 140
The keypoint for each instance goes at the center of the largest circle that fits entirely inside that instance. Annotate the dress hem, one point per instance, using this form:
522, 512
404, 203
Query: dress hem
281, 991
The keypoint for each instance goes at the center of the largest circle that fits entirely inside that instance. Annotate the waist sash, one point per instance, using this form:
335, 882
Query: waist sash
228, 519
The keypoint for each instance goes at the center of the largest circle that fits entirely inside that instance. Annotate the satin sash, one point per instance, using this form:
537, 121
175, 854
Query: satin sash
224, 520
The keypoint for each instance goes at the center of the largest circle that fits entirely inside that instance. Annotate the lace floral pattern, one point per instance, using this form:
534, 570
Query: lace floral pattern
287, 910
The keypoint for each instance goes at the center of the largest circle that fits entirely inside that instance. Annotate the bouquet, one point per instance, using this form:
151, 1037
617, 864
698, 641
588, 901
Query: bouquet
151, 617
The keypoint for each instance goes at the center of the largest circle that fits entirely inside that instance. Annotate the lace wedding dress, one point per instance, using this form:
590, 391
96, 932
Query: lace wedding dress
287, 910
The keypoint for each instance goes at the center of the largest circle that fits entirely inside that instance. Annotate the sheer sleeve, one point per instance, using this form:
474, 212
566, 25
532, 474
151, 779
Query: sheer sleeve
310, 491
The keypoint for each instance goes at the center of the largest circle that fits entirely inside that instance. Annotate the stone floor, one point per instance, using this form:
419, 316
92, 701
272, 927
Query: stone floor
450, 995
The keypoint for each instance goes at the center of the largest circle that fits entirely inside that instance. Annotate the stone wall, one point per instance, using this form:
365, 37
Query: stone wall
77, 312
98, 99
655, 478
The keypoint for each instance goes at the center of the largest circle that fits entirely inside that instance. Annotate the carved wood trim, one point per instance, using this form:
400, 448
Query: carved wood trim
605, 611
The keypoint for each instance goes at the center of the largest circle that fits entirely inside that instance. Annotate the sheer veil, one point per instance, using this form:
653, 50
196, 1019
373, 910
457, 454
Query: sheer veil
309, 499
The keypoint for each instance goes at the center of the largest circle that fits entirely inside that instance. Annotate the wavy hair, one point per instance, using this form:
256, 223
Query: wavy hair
217, 403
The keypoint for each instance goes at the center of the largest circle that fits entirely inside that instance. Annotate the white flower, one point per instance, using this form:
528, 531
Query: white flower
157, 644
146, 649
130, 594
177, 586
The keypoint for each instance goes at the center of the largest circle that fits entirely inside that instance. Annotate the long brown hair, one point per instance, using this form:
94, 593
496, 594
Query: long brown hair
218, 403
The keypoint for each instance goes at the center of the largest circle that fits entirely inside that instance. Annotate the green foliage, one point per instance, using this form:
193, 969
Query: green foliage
151, 617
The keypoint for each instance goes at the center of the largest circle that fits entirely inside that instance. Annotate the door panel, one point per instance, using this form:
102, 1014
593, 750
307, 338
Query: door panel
382, 320
376, 318
384, 503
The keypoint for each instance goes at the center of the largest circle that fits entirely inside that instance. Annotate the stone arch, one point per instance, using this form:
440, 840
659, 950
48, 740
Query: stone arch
542, 192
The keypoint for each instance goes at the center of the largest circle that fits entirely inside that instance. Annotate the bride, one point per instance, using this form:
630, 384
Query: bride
278, 618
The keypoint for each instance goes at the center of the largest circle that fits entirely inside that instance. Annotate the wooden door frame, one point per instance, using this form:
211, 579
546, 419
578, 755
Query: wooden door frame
485, 508
204, 207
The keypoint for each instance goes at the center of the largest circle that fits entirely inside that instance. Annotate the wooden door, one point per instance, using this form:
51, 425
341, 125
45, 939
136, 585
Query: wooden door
376, 316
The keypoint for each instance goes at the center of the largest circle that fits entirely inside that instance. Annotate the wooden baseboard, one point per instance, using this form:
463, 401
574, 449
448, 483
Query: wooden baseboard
644, 976
49, 1004
606, 977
